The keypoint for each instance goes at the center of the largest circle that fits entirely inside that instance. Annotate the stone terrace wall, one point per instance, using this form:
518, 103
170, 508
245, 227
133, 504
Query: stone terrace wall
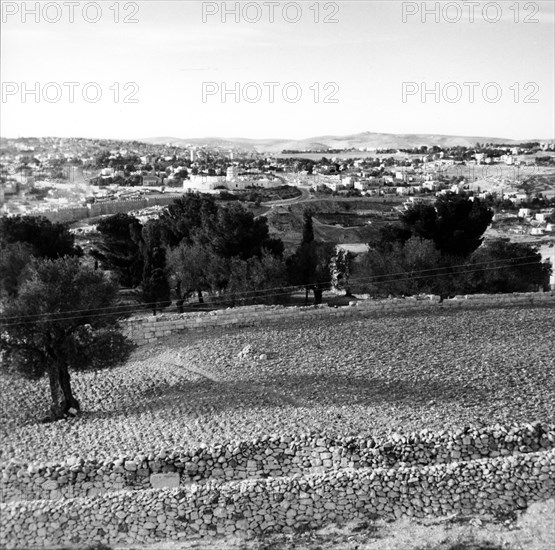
116, 207
282, 504
270, 456
146, 330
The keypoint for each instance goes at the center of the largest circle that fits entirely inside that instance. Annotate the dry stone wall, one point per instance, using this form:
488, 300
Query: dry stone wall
286, 504
270, 456
147, 330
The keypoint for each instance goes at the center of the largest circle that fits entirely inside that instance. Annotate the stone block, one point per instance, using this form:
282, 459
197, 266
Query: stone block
164, 481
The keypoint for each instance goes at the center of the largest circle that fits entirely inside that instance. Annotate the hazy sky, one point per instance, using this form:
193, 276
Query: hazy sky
363, 58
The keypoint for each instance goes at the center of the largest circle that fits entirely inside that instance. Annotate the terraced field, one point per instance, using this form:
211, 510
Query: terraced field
378, 378
397, 373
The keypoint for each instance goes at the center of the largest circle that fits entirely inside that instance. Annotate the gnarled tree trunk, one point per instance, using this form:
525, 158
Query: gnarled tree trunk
63, 402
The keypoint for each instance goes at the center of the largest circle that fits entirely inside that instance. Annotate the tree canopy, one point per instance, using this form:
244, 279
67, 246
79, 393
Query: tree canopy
47, 239
439, 249
309, 266
186, 216
503, 266
455, 223
14, 259
207, 243
120, 247
63, 316
156, 288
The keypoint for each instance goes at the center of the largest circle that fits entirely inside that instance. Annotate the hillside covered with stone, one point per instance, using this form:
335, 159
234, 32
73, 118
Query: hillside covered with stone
276, 427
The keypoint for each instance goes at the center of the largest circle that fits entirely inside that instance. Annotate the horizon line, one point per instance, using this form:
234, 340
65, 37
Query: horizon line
231, 138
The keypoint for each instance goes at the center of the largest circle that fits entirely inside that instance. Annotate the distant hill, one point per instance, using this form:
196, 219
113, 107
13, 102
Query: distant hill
369, 140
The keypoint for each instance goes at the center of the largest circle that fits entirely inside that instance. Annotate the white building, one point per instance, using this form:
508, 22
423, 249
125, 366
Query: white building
203, 182
517, 198
431, 185
361, 185
347, 181
232, 173
151, 179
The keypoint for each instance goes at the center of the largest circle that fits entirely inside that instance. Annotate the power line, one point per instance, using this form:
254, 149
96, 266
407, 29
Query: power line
409, 278
266, 293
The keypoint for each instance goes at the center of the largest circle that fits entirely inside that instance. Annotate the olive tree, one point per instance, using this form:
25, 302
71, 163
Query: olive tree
63, 317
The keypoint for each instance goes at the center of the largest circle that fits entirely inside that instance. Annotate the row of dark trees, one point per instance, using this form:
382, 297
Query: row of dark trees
439, 249
198, 247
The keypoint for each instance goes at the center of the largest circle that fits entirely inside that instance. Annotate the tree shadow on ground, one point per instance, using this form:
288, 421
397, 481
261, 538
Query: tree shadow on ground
331, 389
210, 397
207, 397
202, 396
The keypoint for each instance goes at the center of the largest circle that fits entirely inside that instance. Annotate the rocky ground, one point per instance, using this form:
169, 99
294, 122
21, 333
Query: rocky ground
397, 373
400, 372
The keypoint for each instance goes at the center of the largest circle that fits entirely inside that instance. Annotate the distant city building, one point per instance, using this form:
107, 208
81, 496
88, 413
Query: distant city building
431, 185
232, 173
361, 185
204, 182
347, 181
151, 180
